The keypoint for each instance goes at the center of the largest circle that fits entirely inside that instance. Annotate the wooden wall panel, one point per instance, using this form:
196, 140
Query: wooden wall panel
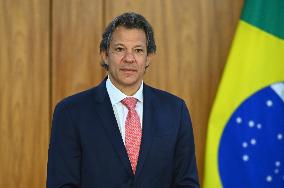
60, 43
24, 92
76, 33
193, 39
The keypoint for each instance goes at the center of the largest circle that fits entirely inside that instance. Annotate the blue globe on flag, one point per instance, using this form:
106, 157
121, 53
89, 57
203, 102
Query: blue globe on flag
251, 150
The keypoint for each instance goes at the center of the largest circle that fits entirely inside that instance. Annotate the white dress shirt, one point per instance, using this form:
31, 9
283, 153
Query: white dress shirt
120, 111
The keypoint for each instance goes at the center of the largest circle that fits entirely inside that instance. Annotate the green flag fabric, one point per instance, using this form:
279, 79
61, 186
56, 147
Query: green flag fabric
245, 139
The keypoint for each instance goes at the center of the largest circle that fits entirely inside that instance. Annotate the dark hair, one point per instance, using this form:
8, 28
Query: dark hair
129, 20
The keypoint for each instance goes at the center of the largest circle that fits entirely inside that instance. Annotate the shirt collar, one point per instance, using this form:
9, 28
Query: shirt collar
116, 95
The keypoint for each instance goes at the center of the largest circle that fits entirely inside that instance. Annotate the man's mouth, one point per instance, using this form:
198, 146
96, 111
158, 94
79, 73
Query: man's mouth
128, 70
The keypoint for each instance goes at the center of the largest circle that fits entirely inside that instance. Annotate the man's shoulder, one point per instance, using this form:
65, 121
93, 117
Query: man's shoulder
81, 99
164, 101
76, 99
162, 95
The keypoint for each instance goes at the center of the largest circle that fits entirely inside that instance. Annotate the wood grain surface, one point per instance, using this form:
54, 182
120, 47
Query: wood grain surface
24, 92
76, 32
50, 50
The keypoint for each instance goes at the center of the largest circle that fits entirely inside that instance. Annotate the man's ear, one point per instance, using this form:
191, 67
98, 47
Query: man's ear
104, 57
148, 60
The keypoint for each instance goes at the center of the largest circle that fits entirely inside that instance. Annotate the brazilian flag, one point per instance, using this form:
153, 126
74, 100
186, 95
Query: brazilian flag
245, 139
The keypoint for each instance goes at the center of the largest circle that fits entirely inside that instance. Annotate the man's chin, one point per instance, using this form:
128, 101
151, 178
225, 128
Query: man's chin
131, 82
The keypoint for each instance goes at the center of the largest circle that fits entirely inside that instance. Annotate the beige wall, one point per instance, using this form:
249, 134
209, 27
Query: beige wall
49, 50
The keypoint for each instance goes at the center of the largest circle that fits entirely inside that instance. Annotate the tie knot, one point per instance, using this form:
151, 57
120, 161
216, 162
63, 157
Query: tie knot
129, 102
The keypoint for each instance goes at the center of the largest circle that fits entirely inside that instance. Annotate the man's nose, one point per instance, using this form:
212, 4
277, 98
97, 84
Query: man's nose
129, 57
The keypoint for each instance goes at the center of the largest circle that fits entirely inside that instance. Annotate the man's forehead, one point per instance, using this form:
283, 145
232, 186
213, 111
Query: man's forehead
123, 35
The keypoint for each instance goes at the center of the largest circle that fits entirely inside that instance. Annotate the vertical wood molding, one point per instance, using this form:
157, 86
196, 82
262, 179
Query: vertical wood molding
24, 92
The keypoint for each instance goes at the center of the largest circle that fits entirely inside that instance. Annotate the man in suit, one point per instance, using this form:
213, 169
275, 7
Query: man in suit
123, 133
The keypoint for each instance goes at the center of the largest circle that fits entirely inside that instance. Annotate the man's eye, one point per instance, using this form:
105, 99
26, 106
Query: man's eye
119, 49
139, 50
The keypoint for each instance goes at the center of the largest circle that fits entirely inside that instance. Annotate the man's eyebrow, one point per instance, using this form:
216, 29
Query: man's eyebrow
118, 44
136, 46
139, 45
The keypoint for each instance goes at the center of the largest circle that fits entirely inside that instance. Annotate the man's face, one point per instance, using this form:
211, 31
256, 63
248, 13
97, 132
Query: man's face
127, 58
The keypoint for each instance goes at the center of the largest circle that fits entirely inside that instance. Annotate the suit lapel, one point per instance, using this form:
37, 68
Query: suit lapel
105, 111
147, 129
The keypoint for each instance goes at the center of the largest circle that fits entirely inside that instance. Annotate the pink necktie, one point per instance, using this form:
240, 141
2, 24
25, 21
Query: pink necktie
133, 131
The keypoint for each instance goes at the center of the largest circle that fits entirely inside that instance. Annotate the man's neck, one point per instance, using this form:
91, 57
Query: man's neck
128, 90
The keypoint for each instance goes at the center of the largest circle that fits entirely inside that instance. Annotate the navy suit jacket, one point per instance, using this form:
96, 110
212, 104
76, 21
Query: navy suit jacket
87, 151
